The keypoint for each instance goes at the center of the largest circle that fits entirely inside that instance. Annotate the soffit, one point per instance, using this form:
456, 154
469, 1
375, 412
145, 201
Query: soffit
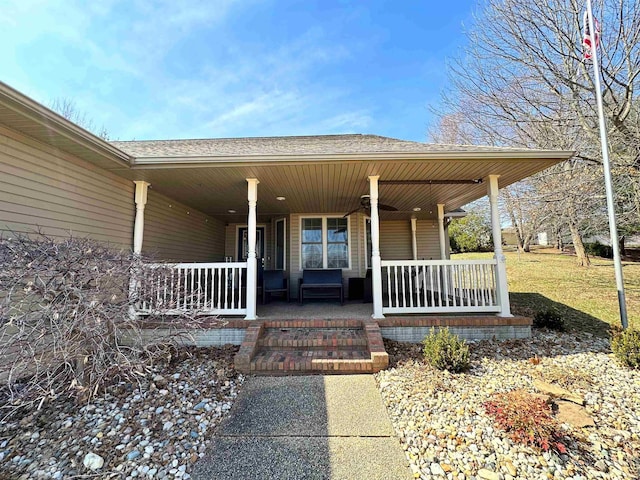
333, 187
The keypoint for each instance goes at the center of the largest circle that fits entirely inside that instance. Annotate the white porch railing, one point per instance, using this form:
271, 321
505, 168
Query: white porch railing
199, 288
439, 286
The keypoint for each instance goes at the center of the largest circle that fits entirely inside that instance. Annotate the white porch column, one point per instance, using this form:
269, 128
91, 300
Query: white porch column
441, 233
502, 290
414, 238
376, 267
252, 263
138, 227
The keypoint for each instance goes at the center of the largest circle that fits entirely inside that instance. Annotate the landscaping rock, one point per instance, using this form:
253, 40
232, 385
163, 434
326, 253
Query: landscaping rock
574, 415
132, 431
488, 474
555, 391
93, 461
441, 417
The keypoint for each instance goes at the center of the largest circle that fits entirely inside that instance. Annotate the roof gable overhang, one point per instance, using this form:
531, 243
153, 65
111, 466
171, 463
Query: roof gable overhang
24, 115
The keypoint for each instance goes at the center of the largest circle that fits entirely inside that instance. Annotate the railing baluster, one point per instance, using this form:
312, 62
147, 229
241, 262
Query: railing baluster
487, 293
221, 287
233, 287
411, 291
389, 285
431, 285
471, 287
453, 283
226, 288
466, 295
476, 269
215, 280
478, 284
424, 284
395, 276
240, 305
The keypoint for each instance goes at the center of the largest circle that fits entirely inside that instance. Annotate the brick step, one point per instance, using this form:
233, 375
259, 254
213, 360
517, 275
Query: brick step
313, 338
273, 362
314, 323
273, 347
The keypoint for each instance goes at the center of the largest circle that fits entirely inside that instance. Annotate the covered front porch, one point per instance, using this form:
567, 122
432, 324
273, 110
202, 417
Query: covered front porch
371, 210
405, 286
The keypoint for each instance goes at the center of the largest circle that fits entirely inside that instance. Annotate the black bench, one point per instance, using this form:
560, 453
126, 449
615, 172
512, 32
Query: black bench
323, 283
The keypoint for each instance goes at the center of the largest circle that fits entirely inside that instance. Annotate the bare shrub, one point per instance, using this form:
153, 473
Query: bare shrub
65, 308
527, 419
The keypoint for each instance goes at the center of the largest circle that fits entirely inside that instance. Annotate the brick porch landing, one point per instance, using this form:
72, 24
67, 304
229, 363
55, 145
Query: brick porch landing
285, 347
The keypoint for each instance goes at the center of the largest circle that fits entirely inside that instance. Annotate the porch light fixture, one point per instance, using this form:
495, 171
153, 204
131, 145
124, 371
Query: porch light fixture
457, 213
416, 209
231, 210
281, 199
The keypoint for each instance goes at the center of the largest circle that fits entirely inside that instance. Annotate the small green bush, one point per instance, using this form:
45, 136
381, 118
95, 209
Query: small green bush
597, 249
549, 319
527, 419
626, 347
446, 351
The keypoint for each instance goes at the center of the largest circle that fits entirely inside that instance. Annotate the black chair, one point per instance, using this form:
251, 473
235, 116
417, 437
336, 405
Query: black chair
274, 281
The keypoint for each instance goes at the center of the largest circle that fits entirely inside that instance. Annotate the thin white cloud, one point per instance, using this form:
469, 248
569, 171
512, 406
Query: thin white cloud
124, 72
349, 122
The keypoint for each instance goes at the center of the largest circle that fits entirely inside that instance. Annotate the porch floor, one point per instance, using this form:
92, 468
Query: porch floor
278, 310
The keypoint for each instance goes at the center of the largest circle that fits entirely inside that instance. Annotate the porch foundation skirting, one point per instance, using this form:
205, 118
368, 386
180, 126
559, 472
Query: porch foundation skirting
414, 329
403, 329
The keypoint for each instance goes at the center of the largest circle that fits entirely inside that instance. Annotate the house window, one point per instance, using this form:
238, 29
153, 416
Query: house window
324, 242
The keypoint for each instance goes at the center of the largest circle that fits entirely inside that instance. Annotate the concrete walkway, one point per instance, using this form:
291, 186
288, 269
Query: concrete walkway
306, 427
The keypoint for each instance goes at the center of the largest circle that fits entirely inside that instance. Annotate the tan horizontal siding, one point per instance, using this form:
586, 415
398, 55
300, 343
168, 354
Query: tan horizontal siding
395, 240
177, 233
229, 241
428, 240
44, 188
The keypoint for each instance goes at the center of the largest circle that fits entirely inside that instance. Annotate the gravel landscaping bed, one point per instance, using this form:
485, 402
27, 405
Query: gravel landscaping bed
446, 432
155, 429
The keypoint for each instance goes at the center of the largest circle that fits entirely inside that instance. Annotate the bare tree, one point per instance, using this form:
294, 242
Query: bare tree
69, 110
523, 82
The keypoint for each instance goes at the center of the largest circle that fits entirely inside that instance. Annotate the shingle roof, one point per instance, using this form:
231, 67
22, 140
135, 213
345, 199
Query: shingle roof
303, 145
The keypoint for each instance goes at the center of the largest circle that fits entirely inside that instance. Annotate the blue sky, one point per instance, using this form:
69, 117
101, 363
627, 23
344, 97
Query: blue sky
225, 68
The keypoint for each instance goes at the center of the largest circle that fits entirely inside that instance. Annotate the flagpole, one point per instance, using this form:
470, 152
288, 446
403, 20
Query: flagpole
613, 231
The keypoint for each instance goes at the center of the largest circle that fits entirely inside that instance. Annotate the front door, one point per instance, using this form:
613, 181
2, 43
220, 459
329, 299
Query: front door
243, 248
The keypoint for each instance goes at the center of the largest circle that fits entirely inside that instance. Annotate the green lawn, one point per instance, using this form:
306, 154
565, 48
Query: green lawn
586, 297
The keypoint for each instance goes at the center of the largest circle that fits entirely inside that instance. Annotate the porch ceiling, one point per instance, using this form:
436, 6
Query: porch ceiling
335, 185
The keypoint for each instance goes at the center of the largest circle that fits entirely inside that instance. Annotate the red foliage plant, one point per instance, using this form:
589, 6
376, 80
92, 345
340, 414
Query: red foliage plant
527, 419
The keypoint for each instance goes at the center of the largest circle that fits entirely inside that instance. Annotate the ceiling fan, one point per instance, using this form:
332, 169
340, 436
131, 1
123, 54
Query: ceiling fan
365, 205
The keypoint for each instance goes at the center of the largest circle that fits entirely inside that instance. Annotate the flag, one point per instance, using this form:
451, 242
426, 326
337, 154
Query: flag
587, 39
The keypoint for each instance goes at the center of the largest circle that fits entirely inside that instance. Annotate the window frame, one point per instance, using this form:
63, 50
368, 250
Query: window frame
325, 257
284, 245
367, 251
